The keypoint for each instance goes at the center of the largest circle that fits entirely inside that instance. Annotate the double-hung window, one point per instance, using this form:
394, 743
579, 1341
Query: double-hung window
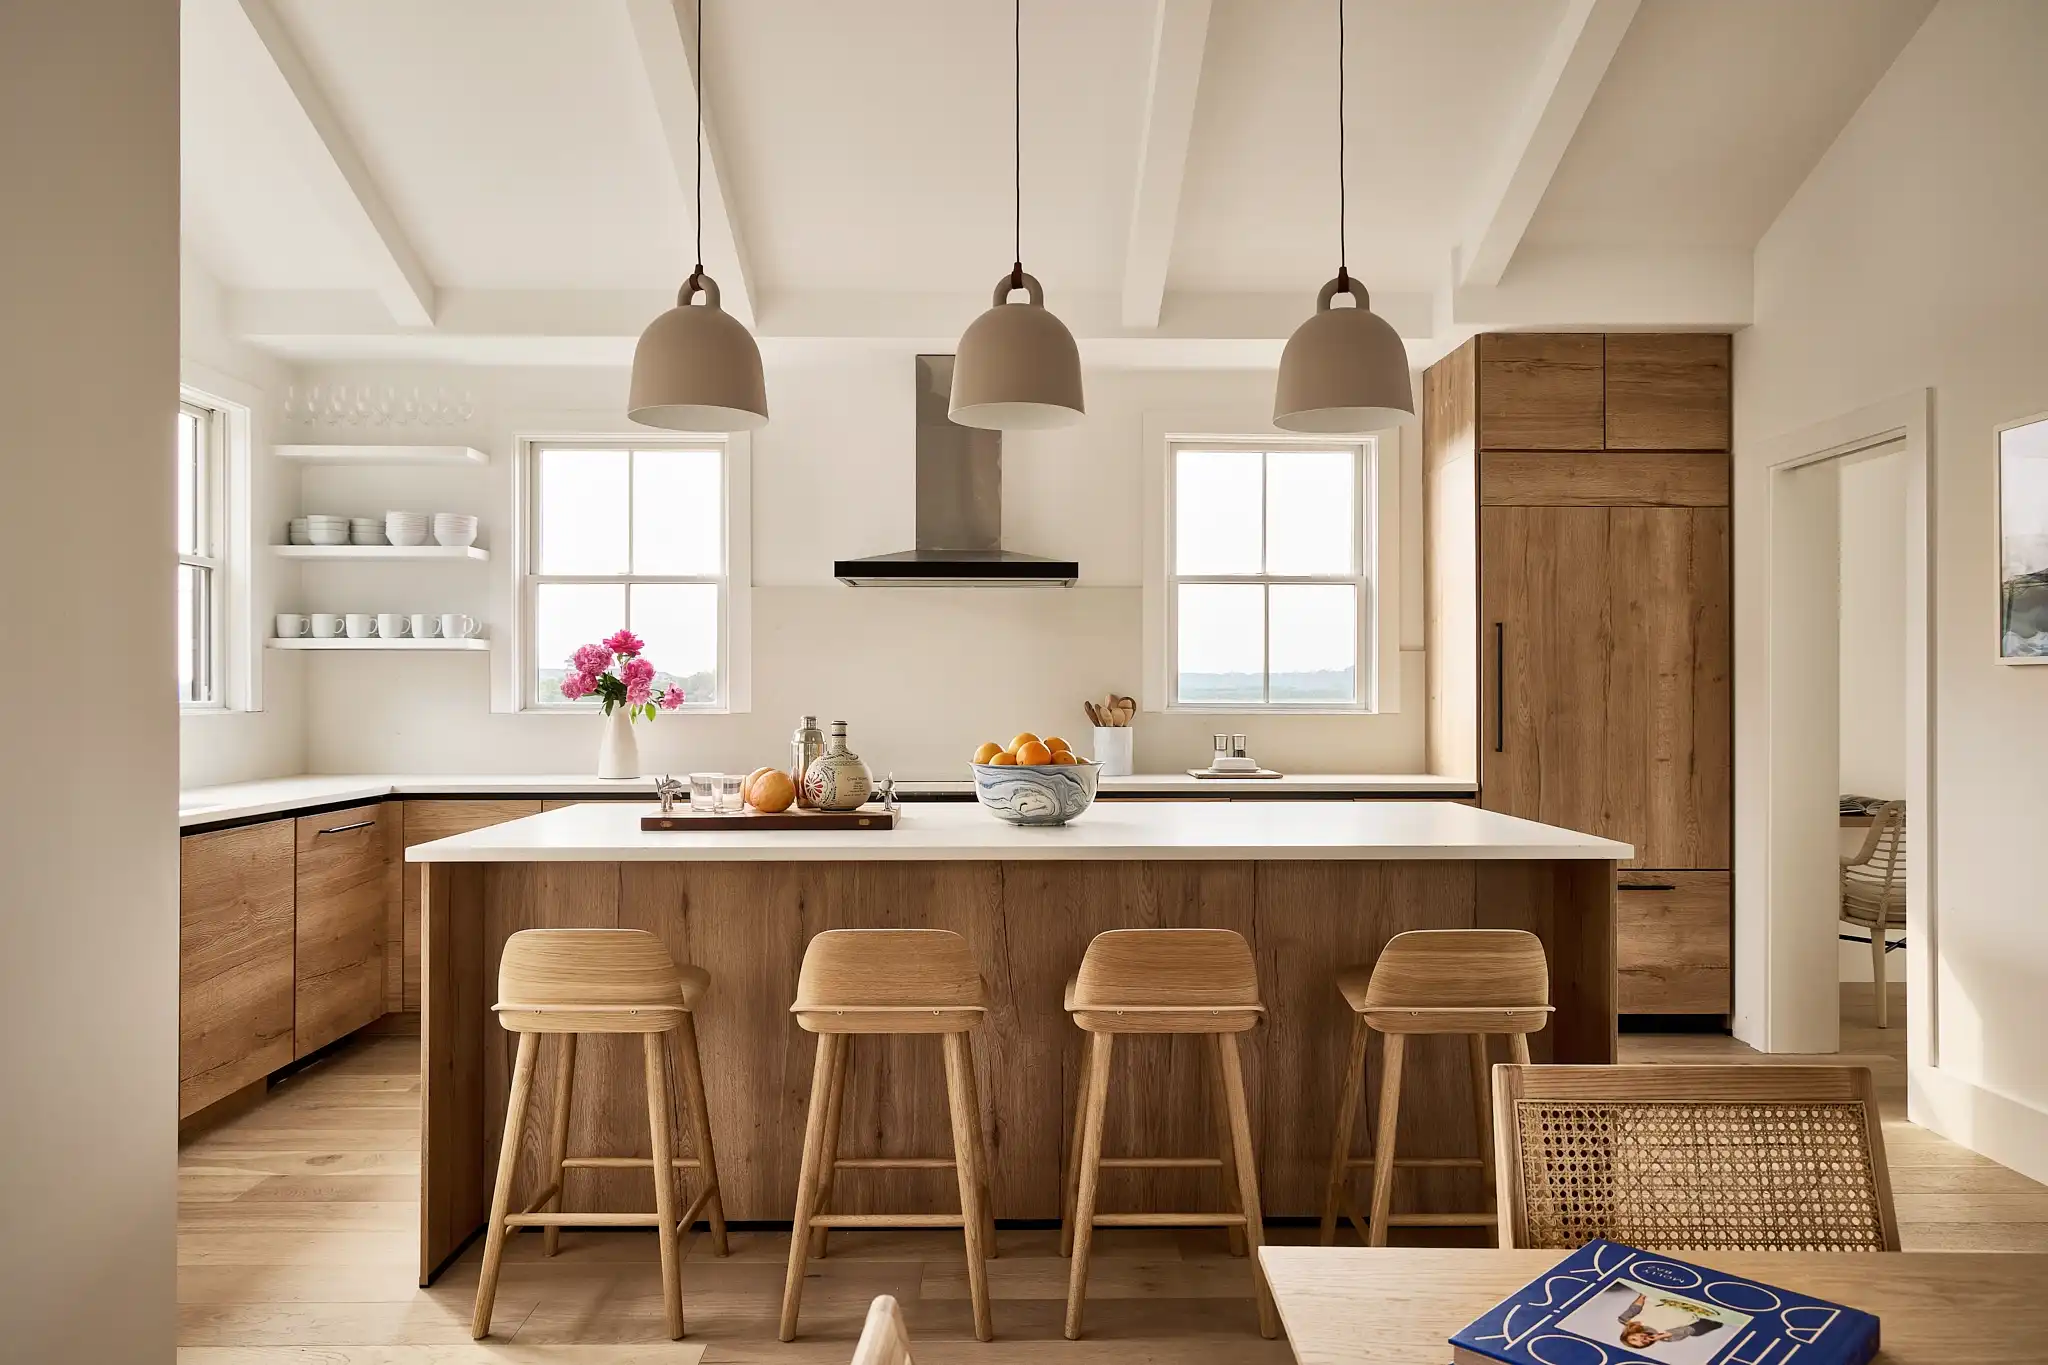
631, 535
1269, 601
201, 576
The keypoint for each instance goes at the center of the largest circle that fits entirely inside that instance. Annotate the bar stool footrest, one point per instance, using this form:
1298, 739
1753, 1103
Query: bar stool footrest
582, 1220
887, 1220
624, 1163
1161, 1163
894, 1163
1168, 1220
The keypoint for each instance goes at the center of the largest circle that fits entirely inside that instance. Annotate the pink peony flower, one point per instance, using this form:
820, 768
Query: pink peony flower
577, 685
590, 660
637, 673
639, 693
671, 699
625, 642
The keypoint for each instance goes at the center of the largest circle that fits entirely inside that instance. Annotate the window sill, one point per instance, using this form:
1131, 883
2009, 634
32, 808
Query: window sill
1262, 709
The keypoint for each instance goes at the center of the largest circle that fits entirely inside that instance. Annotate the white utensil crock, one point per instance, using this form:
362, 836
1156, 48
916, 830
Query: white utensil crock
1113, 749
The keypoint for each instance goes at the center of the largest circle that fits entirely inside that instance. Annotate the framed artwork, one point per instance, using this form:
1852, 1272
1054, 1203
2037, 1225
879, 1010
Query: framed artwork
2023, 541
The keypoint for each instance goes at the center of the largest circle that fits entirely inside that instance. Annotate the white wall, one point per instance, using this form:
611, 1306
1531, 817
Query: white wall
262, 733
1912, 256
88, 747
923, 675
1873, 650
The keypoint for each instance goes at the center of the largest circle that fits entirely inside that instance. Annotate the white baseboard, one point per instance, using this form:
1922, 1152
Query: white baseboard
2009, 1131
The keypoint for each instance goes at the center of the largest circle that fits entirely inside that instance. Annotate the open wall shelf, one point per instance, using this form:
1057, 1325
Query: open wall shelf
471, 645
392, 454
383, 552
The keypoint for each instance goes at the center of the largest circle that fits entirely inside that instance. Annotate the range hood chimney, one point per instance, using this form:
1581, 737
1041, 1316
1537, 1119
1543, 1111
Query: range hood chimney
959, 508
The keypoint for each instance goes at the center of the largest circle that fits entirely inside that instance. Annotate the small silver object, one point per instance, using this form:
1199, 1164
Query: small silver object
667, 790
887, 794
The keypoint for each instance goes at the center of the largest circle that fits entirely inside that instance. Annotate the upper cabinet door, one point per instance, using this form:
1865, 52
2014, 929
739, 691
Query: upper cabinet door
1541, 391
1668, 392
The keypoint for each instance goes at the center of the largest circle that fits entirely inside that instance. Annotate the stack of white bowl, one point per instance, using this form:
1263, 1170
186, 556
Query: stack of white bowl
407, 528
366, 531
453, 528
295, 532
326, 530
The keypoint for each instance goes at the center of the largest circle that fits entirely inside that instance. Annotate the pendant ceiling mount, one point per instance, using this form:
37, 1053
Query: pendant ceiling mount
697, 368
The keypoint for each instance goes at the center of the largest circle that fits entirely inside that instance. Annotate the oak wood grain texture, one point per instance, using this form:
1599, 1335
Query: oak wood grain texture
1673, 946
1450, 552
344, 874
1677, 1157
1541, 391
1668, 391
235, 901
422, 822
1350, 1306
1522, 478
453, 1157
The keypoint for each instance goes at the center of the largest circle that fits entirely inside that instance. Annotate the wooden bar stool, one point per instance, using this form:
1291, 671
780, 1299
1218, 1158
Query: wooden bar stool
573, 981
1473, 981
1163, 981
904, 981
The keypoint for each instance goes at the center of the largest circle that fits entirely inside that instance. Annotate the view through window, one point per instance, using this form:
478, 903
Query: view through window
199, 564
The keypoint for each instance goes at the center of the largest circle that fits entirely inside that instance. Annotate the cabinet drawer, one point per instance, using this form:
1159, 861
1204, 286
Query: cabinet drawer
234, 960
344, 861
1672, 932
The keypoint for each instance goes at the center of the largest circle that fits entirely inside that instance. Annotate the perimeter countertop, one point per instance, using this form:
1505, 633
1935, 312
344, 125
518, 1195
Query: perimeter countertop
1108, 831
272, 796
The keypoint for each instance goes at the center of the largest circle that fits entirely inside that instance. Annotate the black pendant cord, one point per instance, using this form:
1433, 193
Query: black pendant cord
1343, 274
697, 272
1017, 144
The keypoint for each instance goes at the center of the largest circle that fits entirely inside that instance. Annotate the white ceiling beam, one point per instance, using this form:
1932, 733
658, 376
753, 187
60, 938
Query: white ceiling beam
1180, 34
325, 154
1573, 67
665, 32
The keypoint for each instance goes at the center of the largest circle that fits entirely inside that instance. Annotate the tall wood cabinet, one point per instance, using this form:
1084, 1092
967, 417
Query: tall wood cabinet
1576, 491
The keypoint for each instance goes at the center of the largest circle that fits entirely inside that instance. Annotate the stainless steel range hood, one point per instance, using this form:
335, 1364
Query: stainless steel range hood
959, 508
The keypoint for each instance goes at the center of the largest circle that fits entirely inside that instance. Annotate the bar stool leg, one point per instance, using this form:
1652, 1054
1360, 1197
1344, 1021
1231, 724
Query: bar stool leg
700, 1120
967, 1165
1518, 1048
1226, 1145
1348, 1095
1392, 1047
988, 1165
1070, 1174
558, 1141
501, 1195
1482, 1113
663, 1152
1088, 1164
1232, 1067
828, 1169
829, 1045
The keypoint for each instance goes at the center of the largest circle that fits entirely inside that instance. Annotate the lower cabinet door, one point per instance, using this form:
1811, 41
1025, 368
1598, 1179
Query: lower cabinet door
343, 858
234, 960
1673, 939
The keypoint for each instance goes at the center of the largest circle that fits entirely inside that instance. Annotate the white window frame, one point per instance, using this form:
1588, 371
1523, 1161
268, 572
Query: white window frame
1376, 531
211, 514
733, 581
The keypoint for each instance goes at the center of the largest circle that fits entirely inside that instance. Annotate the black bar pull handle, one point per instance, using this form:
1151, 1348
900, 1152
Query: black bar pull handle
343, 829
1646, 886
1500, 688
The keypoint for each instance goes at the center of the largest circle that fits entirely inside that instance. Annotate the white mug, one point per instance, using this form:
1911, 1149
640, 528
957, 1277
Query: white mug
424, 626
327, 625
361, 626
290, 625
457, 626
392, 625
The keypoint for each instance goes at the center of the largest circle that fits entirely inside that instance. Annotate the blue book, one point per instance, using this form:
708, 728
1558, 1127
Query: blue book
1609, 1304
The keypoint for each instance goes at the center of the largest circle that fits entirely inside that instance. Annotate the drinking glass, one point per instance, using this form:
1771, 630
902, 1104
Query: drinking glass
729, 802
704, 793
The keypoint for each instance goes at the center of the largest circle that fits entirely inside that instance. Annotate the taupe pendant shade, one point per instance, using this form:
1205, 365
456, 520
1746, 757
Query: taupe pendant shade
1345, 369
697, 369
1017, 368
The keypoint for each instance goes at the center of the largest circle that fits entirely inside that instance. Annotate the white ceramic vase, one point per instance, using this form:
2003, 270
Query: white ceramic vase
618, 753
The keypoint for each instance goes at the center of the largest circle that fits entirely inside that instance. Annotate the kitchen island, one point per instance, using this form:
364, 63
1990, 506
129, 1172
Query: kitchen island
1314, 887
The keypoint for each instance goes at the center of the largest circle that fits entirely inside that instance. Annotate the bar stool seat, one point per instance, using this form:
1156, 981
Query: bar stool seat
570, 982
1471, 981
890, 981
1164, 982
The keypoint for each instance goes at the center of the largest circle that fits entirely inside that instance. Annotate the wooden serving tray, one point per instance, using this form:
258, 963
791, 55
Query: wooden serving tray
867, 817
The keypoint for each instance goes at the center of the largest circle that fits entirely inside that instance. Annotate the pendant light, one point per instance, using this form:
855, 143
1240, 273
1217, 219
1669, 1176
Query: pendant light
697, 367
1345, 369
1017, 368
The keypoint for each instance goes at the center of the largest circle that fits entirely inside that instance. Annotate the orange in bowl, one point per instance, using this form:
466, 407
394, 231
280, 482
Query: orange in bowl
1056, 744
1064, 758
1003, 758
1032, 754
987, 752
1023, 738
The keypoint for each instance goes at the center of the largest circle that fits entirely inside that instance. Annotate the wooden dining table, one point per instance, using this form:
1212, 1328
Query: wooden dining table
1400, 1305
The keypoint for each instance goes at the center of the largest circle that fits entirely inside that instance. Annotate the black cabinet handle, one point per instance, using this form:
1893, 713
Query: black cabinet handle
1500, 689
1646, 886
343, 829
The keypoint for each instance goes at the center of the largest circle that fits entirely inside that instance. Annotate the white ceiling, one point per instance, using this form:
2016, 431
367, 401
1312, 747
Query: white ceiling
493, 178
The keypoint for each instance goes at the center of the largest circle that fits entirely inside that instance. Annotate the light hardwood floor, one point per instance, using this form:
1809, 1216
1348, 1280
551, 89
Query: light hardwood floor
297, 1245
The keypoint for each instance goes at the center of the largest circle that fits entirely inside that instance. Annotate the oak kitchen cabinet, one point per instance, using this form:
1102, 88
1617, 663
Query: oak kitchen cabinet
426, 821
1578, 600
234, 960
345, 884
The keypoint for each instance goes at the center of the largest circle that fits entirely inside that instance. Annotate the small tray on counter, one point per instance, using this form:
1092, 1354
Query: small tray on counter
867, 817
1253, 773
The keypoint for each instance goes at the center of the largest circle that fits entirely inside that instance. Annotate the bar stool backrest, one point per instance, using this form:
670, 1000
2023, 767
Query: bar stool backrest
588, 981
1460, 968
888, 969
1167, 969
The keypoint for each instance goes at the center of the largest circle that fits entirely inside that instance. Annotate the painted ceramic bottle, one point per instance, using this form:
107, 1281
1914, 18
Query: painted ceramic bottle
837, 779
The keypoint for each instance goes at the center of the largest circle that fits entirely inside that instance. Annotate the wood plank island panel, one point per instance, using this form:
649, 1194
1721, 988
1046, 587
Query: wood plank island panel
1028, 923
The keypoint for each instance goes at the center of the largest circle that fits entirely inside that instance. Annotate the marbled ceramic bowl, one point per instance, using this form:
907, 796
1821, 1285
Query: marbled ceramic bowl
1046, 794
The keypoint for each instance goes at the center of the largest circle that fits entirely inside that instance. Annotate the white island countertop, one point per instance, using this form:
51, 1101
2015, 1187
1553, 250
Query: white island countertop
1109, 831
